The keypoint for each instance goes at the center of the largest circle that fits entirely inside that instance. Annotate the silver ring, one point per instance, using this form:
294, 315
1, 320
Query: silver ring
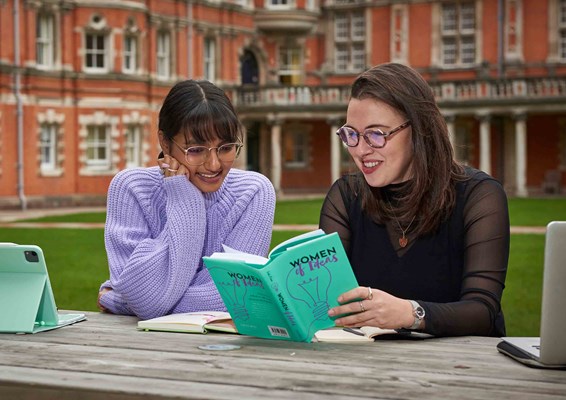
370, 294
362, 306
171, 170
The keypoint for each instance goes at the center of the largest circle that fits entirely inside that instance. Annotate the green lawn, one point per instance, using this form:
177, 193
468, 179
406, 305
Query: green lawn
77, 265
523, 212
77, 260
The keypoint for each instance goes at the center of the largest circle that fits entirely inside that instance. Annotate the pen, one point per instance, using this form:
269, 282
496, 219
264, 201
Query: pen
354, 331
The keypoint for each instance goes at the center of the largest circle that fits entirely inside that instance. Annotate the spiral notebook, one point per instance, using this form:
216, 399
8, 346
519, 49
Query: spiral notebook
27, 304
548, 350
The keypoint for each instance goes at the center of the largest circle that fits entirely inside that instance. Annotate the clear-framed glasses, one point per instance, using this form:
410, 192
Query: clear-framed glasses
373, 136
197, 155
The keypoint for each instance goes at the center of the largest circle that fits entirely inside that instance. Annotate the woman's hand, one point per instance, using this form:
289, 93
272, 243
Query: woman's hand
100, 294
171, 167
372, 307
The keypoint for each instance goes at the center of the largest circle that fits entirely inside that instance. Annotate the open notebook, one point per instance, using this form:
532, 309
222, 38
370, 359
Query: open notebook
27, 304
548, 350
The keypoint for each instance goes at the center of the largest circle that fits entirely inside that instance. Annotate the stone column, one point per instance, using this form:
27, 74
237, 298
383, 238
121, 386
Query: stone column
335, 144
451, 125
521, 154
242, 161
485, 143
275, 124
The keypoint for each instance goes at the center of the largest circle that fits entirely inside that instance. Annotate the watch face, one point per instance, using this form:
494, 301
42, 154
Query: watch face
419, 312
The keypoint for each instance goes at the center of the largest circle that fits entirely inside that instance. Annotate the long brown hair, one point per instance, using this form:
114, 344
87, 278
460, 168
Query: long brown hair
430, 195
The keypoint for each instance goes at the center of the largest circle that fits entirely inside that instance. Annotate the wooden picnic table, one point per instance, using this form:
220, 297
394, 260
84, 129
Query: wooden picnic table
106, 357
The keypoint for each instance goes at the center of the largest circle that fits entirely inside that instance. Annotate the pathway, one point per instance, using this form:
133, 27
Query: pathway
10, 218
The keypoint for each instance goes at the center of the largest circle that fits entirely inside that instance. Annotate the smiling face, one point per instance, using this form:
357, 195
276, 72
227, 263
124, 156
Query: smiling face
207, 177
387, 165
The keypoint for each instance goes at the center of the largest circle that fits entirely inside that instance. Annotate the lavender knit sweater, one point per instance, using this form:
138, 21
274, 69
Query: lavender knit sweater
158, 229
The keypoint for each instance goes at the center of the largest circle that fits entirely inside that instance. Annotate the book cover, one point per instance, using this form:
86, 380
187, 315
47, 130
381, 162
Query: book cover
193, 322
287, 295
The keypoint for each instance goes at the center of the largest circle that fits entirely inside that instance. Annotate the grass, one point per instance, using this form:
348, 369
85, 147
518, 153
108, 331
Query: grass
522, 295
522, 212
77, 259
77, 265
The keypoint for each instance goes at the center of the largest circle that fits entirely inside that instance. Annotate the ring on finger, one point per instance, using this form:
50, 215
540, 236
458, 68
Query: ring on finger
362, 306
370, 294
171, 170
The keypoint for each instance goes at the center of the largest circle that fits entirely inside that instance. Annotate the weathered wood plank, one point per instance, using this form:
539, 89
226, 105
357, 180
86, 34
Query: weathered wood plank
109, 349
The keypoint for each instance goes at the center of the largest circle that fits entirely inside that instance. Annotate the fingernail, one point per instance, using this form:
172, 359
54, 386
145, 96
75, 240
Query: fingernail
165, 165
340, 298
331, 312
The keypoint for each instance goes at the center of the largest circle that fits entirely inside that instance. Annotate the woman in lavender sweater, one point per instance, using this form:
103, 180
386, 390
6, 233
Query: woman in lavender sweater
162, 220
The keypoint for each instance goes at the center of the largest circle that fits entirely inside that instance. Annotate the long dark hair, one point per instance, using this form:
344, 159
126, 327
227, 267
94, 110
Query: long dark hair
201, 110
430, 195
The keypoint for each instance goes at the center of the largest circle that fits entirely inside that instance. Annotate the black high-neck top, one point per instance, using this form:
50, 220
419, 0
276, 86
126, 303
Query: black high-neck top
457, 274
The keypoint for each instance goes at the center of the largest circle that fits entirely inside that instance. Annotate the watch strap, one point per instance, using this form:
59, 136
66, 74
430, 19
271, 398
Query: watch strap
418, 314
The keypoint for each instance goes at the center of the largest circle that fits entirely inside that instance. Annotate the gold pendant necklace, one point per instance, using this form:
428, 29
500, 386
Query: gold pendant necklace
403, 240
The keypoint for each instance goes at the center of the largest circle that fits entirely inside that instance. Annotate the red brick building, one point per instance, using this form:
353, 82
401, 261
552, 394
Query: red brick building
81, 83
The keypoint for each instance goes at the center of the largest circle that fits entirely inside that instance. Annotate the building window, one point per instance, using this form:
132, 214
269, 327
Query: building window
133, 146
48, 147
98, 147
279, 3
163, 55
458, 33
295, 149
349, 37
562, 29
96, 52
209, 59
399, 33
462, 143
562, 145
130, 54
44, 41
290, 65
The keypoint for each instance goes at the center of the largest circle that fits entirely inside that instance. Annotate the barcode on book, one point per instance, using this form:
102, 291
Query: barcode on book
277, 331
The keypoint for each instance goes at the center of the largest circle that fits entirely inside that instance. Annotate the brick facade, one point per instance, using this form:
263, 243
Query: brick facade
92, 75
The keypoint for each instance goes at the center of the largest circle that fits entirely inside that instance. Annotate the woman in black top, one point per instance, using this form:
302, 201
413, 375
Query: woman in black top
428, 238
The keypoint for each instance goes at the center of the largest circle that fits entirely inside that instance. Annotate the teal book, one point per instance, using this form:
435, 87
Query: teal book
287, 295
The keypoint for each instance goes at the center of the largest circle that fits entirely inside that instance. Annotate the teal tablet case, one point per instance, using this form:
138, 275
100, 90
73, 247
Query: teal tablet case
27, 304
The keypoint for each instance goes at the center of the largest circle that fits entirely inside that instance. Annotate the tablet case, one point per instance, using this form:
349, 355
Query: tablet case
27, 304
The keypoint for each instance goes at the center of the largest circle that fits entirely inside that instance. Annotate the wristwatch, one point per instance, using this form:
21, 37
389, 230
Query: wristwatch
418, 313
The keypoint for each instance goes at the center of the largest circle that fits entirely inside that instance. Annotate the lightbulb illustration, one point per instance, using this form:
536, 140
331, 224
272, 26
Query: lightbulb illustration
310, 286
234, 292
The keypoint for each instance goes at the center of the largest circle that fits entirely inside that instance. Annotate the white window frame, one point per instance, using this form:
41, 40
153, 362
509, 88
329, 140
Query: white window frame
48, 147
399, 33
300, 149
98, 138
45, 40
291, 62
562, 30
209, 59
163, 57
457, 36
133, 146
279, 4
130, 54
349, 41
94, 52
